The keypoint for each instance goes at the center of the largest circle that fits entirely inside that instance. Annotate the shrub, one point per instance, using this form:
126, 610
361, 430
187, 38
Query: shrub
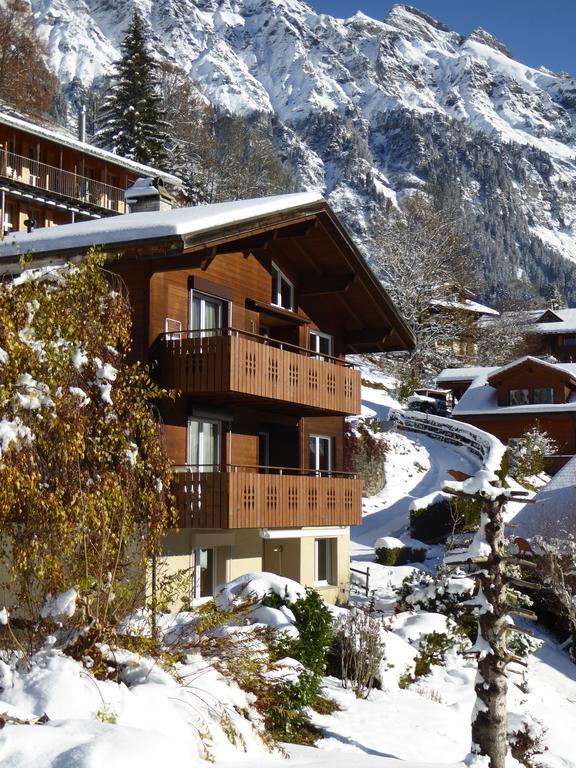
360, 650
432, 650
439, 520
364, 452
400, 555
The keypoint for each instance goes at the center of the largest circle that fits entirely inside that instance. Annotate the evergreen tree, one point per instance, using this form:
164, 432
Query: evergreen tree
131, 122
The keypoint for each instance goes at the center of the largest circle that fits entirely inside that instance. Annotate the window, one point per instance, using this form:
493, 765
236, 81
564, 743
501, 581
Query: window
203, 573
323, 549
282, 289
321, 453
519, 397
322, 343
569, 341
206, 314
543, 395
204, 444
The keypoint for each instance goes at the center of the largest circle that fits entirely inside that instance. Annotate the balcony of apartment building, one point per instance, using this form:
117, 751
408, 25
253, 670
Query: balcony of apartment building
31, 178
251, 368
232, 496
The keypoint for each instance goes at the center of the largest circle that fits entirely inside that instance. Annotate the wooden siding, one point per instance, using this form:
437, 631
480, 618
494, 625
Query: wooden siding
561, 426
247, 366
251, 500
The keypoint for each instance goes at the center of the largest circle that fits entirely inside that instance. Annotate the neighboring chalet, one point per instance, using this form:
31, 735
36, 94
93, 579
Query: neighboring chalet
549, 332
48, 177
247, 310
459, 303
509, 400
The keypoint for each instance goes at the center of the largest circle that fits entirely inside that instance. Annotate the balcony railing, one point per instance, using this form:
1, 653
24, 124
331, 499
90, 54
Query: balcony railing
236, 496
229, 361
32, 173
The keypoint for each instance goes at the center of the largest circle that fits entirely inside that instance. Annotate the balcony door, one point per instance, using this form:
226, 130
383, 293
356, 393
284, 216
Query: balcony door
321, 453
204, 440
206, 314
321, 343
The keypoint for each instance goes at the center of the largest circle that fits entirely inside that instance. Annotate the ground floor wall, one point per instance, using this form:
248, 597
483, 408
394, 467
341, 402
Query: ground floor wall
196, 562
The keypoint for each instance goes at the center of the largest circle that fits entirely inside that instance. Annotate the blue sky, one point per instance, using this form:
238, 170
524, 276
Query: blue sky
538, 32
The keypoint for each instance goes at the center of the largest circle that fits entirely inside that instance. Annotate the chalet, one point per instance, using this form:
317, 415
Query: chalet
48, 177
247, 310
508, 401
549, 332
459, 303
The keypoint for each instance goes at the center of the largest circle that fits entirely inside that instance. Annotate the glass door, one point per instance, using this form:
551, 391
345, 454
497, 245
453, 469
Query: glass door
206, 315
321, 453
204, 445
322, 343
203, 576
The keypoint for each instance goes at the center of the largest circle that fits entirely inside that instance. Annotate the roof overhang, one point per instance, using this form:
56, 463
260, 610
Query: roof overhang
314, 245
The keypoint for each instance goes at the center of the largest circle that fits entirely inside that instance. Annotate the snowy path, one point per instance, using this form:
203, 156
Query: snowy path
416, 466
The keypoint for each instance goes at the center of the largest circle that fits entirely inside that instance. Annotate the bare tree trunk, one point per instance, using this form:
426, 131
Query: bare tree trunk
489, 723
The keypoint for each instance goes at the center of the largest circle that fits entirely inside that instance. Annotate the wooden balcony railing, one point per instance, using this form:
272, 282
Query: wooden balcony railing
30, 172
233, 496
227, 360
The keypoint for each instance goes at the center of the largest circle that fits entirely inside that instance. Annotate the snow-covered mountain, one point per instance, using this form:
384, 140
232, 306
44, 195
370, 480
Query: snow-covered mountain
364, 111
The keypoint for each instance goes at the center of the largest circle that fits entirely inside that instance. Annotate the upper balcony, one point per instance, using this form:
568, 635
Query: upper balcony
24, 173
235, 496
244, 366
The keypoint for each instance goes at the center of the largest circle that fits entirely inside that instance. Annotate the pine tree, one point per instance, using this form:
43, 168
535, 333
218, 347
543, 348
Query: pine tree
131, 122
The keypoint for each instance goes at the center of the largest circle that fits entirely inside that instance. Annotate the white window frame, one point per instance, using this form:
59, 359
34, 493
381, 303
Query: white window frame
203, 468
172, 328
316, 439
277, 299
314, 343
329, 544
197, 573
224, 307
512, 399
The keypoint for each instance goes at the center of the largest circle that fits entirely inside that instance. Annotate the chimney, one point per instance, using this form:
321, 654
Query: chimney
82, 124
148, 195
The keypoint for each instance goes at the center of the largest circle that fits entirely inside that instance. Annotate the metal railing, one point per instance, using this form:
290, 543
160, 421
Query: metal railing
32, 173
263, 469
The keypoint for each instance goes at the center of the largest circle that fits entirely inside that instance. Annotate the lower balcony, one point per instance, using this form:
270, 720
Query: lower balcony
233, 496
245, 366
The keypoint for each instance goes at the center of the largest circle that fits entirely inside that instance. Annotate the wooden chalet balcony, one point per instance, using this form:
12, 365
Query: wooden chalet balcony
25, 172
234, 496
228, 361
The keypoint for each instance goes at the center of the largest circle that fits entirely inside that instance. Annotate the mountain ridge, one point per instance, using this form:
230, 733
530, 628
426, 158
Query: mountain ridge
354, 104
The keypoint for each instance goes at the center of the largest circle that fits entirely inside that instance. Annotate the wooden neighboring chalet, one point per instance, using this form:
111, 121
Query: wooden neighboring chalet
248, 309
509, 400
49, 177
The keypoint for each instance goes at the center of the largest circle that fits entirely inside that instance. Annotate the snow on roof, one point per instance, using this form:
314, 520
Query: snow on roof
464, 374
569, 368
530, 318
480, 397
553, 507
148, 225
60, 137
467, 305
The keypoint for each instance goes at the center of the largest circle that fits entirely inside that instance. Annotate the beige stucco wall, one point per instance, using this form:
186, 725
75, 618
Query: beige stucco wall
244, 551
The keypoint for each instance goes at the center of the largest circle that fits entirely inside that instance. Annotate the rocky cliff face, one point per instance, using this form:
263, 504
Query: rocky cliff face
365, 111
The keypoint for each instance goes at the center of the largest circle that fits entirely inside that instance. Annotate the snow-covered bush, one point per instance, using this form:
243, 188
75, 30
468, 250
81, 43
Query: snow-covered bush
83, 478
445, 593
527, 454
432, 649
392, 551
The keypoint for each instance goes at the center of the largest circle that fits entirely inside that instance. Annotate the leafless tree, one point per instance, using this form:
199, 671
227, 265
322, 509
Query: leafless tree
422, 260
26, 83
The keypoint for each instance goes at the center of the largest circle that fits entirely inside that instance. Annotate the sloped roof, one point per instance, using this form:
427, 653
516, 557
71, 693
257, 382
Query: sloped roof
536, 320
468, 373
501, 373
553, 511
